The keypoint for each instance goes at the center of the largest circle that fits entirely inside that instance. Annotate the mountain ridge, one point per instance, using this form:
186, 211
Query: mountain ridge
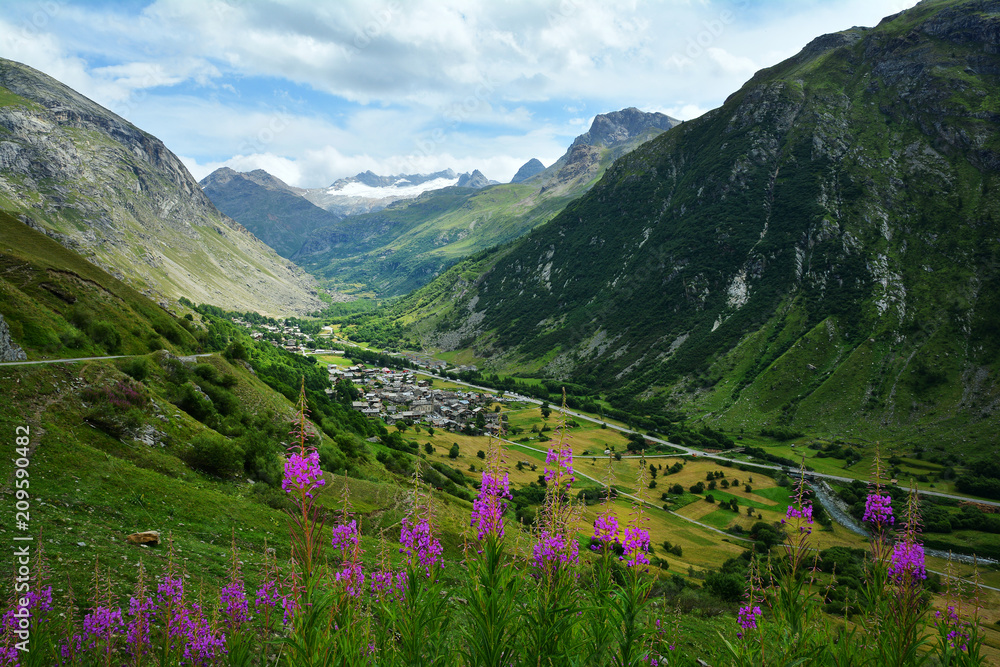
402, 247
100, 185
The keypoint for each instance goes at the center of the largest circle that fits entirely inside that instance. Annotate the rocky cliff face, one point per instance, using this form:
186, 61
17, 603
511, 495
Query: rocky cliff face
116, 194
823, 249
8, 350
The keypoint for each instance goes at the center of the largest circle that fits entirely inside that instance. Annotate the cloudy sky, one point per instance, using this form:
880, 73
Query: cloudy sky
314, 91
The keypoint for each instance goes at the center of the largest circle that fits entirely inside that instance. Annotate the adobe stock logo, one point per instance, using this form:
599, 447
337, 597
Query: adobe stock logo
712, 30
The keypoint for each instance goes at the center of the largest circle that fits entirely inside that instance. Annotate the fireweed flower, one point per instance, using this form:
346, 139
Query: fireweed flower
559, 467
267, 596
419, 544
170, 590
553, 550
747, 617
345, 537
102, 623
140, 614
907, 562
957, 631
202, 645
489, 506
236, 607
636, 543
302, 472
605, 531
878, 510
385, 586
805, 512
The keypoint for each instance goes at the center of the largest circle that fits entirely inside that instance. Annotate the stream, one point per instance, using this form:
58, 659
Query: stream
836, 508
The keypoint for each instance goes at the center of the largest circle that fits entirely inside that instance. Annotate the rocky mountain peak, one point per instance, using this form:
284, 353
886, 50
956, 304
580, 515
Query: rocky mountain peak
527, 170
617, 127
474, 180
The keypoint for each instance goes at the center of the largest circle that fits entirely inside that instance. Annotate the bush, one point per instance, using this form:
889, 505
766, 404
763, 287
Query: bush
106, 335
137, 368
215, 455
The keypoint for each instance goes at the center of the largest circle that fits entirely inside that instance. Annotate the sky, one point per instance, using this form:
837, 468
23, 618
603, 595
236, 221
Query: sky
313, 91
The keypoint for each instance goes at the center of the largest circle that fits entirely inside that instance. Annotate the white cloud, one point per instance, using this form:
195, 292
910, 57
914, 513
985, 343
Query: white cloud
323, 90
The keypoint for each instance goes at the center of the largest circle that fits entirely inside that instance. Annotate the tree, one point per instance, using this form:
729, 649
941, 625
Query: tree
652, 471
430, 431
546, 410
677, 489
453, 452
429, 448
481, 454
400, 426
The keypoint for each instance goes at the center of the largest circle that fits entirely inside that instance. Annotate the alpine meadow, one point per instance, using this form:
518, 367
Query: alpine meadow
713, 383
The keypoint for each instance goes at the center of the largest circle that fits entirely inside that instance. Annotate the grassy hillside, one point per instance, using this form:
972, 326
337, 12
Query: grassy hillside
57, 304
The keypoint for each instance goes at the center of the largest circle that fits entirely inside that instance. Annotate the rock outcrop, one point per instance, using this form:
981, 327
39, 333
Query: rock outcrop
9, 351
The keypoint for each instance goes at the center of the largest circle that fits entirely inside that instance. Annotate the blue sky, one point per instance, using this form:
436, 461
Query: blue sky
315, 91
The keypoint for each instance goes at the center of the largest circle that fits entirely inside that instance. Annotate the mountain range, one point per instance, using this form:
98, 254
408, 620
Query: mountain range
105, 188
407, 244
820, 253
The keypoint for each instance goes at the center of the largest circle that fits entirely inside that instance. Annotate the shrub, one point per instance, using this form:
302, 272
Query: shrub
215, 455
106, 335
116, 409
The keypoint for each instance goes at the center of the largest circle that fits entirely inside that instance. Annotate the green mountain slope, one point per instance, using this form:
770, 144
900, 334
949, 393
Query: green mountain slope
57, 304
821, 252
101, 186
269, 208
404, 246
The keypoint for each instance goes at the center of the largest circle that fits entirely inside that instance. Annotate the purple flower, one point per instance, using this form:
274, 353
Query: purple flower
489, 506
907, 562
636, 543
605, 531
302, 472
388, 587
747, 618
878, 510
267, 596
806, 512
140, 612
559, 467
9, 656
233, 599
553, 550
346, 537
170, 590
419, 544
202, 644
353, 578
102, 623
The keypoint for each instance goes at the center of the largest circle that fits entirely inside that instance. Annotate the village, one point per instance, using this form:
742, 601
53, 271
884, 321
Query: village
397, 395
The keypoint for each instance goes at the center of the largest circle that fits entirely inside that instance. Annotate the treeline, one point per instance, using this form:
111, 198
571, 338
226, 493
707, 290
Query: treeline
981, 478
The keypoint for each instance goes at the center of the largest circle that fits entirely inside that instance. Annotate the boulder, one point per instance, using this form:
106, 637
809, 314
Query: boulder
150, 537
